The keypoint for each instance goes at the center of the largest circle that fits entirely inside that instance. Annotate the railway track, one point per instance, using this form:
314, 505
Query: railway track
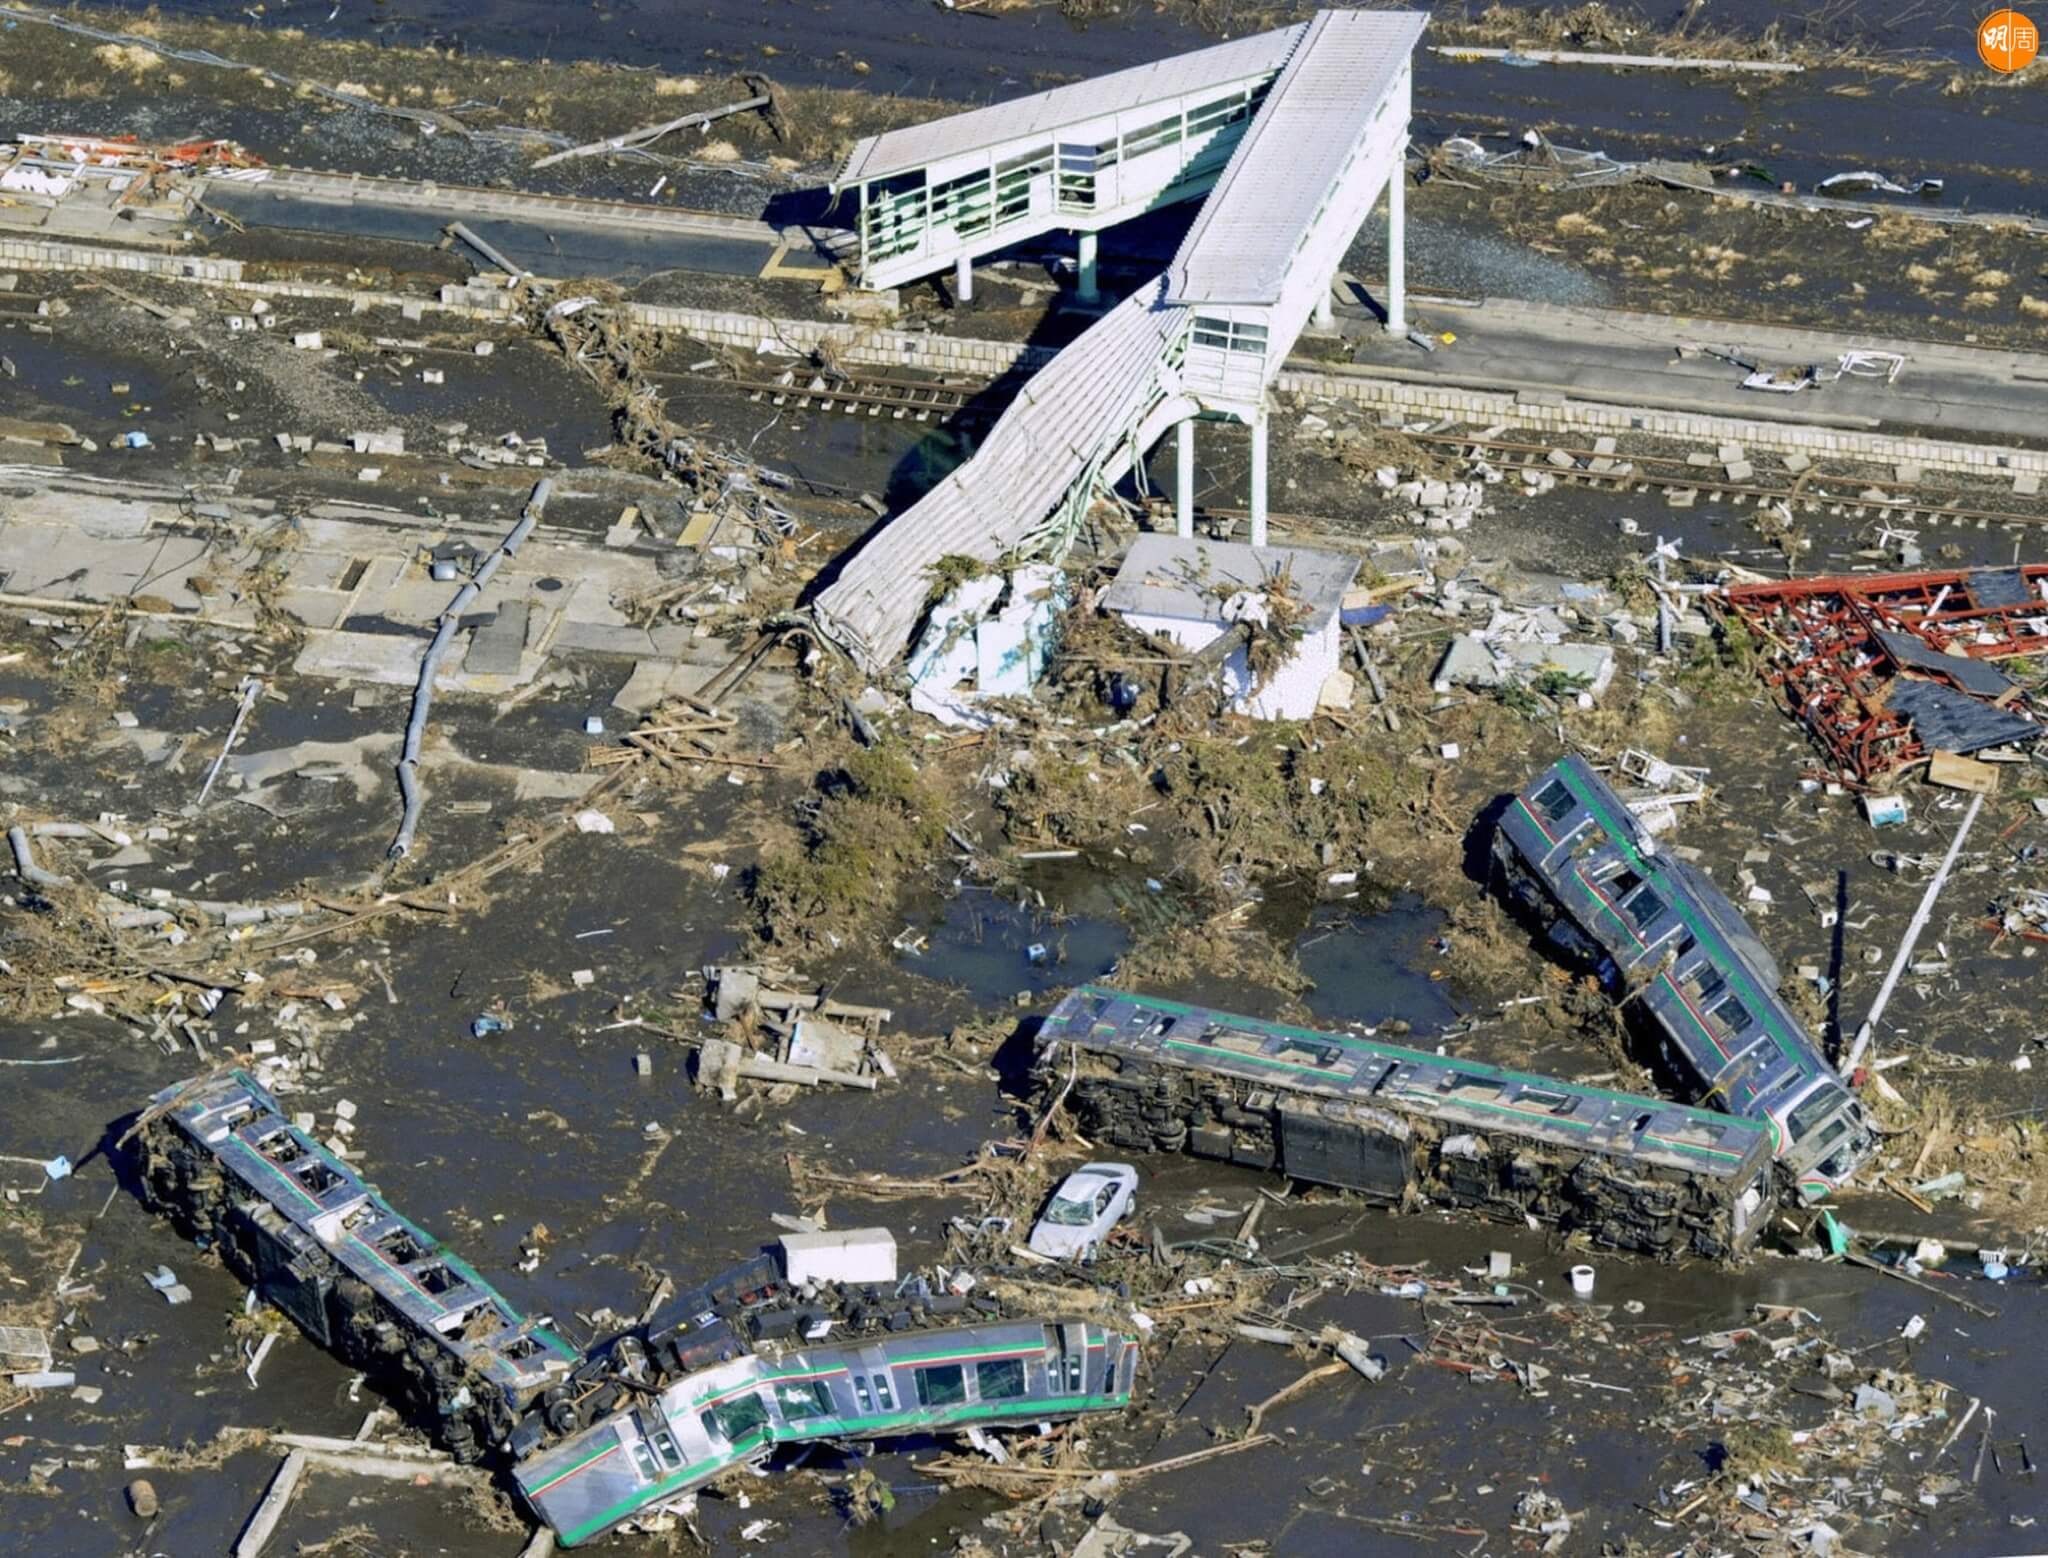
1812, 490
919, 400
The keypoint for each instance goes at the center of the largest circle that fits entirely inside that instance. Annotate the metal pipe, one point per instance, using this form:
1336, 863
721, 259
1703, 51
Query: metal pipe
512, 272
423, 692
1919, 924
250, 689
634, 139
25, 861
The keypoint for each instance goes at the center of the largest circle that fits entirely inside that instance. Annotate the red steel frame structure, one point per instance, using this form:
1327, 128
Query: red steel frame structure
1834, 675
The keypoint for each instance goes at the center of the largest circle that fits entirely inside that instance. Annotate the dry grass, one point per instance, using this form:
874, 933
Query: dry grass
676, 86
1574, 224
128, 59
1922, 275
1991, 278
2036, 308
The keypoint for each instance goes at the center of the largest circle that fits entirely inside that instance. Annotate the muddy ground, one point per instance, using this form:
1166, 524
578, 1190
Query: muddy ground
481, 1140
1895, 95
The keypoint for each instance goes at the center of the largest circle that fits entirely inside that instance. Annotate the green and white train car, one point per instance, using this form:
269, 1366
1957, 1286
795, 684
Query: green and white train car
884, 1387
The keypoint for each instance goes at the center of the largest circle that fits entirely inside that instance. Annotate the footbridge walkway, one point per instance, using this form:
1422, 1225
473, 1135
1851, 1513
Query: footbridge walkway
1325, 132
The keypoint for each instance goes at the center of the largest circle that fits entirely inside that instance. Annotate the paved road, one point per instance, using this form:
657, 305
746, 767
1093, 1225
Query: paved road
552, 238
1607, 354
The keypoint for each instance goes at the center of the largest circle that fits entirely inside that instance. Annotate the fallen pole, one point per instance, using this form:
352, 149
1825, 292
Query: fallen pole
1912, 937
495, 256
423, 693
633, 140
1628, 61
250, 690
270, 1510
25, 861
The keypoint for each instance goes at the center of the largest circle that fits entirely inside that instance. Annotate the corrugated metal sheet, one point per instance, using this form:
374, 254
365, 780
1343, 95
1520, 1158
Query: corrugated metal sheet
1945, 720
1044, 113
1064, 422
1319, 109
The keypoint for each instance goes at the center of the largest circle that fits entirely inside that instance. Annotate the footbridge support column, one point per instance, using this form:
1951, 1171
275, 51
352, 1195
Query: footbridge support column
1184, 479
963, 279
1085, 288
1397, 244
1258, 500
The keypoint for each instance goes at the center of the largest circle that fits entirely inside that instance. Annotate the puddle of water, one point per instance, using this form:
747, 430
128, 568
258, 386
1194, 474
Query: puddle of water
993, 945
1373, 965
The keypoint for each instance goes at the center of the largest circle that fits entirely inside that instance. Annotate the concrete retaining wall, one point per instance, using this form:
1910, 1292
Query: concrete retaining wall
42, 254
1543, 414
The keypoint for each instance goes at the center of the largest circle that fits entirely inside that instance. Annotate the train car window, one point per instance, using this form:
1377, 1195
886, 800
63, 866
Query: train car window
1707, 983
1235, 1040
802, 1399
1694, 1133
885, 1398
1544, 1098
1644, 907
1686, 943
1000, 1379
1813, 1111
941, 1385
402, 1248
1555, 800
860, 1393
1307, 1052
664, 1444
1622, 883
1735, 1016
733, 1420
1464, 1084
644, 1459
281, 1148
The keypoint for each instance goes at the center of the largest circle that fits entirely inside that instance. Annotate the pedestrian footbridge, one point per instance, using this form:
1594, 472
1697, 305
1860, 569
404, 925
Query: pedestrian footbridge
1287, 183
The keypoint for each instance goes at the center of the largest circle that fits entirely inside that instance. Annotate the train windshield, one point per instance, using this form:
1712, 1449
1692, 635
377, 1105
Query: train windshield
1808, 1115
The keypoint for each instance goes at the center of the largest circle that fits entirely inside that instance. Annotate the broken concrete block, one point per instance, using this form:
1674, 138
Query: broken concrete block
1560, 459
1796, 462
1739, 470
2026, 486
1729, 452
309, 340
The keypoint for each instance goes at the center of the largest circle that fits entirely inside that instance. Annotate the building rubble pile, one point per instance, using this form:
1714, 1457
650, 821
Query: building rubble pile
787, 1033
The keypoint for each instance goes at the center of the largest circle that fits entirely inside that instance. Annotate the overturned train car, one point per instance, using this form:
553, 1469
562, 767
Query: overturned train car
1400, 1125
1575, 857
885, 1386
717, 1376
222, 1161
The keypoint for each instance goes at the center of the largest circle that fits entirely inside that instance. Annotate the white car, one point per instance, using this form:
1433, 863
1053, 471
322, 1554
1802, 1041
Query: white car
1092, 1200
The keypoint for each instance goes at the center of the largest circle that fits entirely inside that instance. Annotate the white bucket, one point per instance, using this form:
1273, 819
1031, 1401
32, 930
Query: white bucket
1582, 1281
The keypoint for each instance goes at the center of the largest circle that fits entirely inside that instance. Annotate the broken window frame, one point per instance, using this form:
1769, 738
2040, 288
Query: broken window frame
935, 1390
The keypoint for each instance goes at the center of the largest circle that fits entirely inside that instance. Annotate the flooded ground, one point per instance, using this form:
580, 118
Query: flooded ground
591, 952
547, 1123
